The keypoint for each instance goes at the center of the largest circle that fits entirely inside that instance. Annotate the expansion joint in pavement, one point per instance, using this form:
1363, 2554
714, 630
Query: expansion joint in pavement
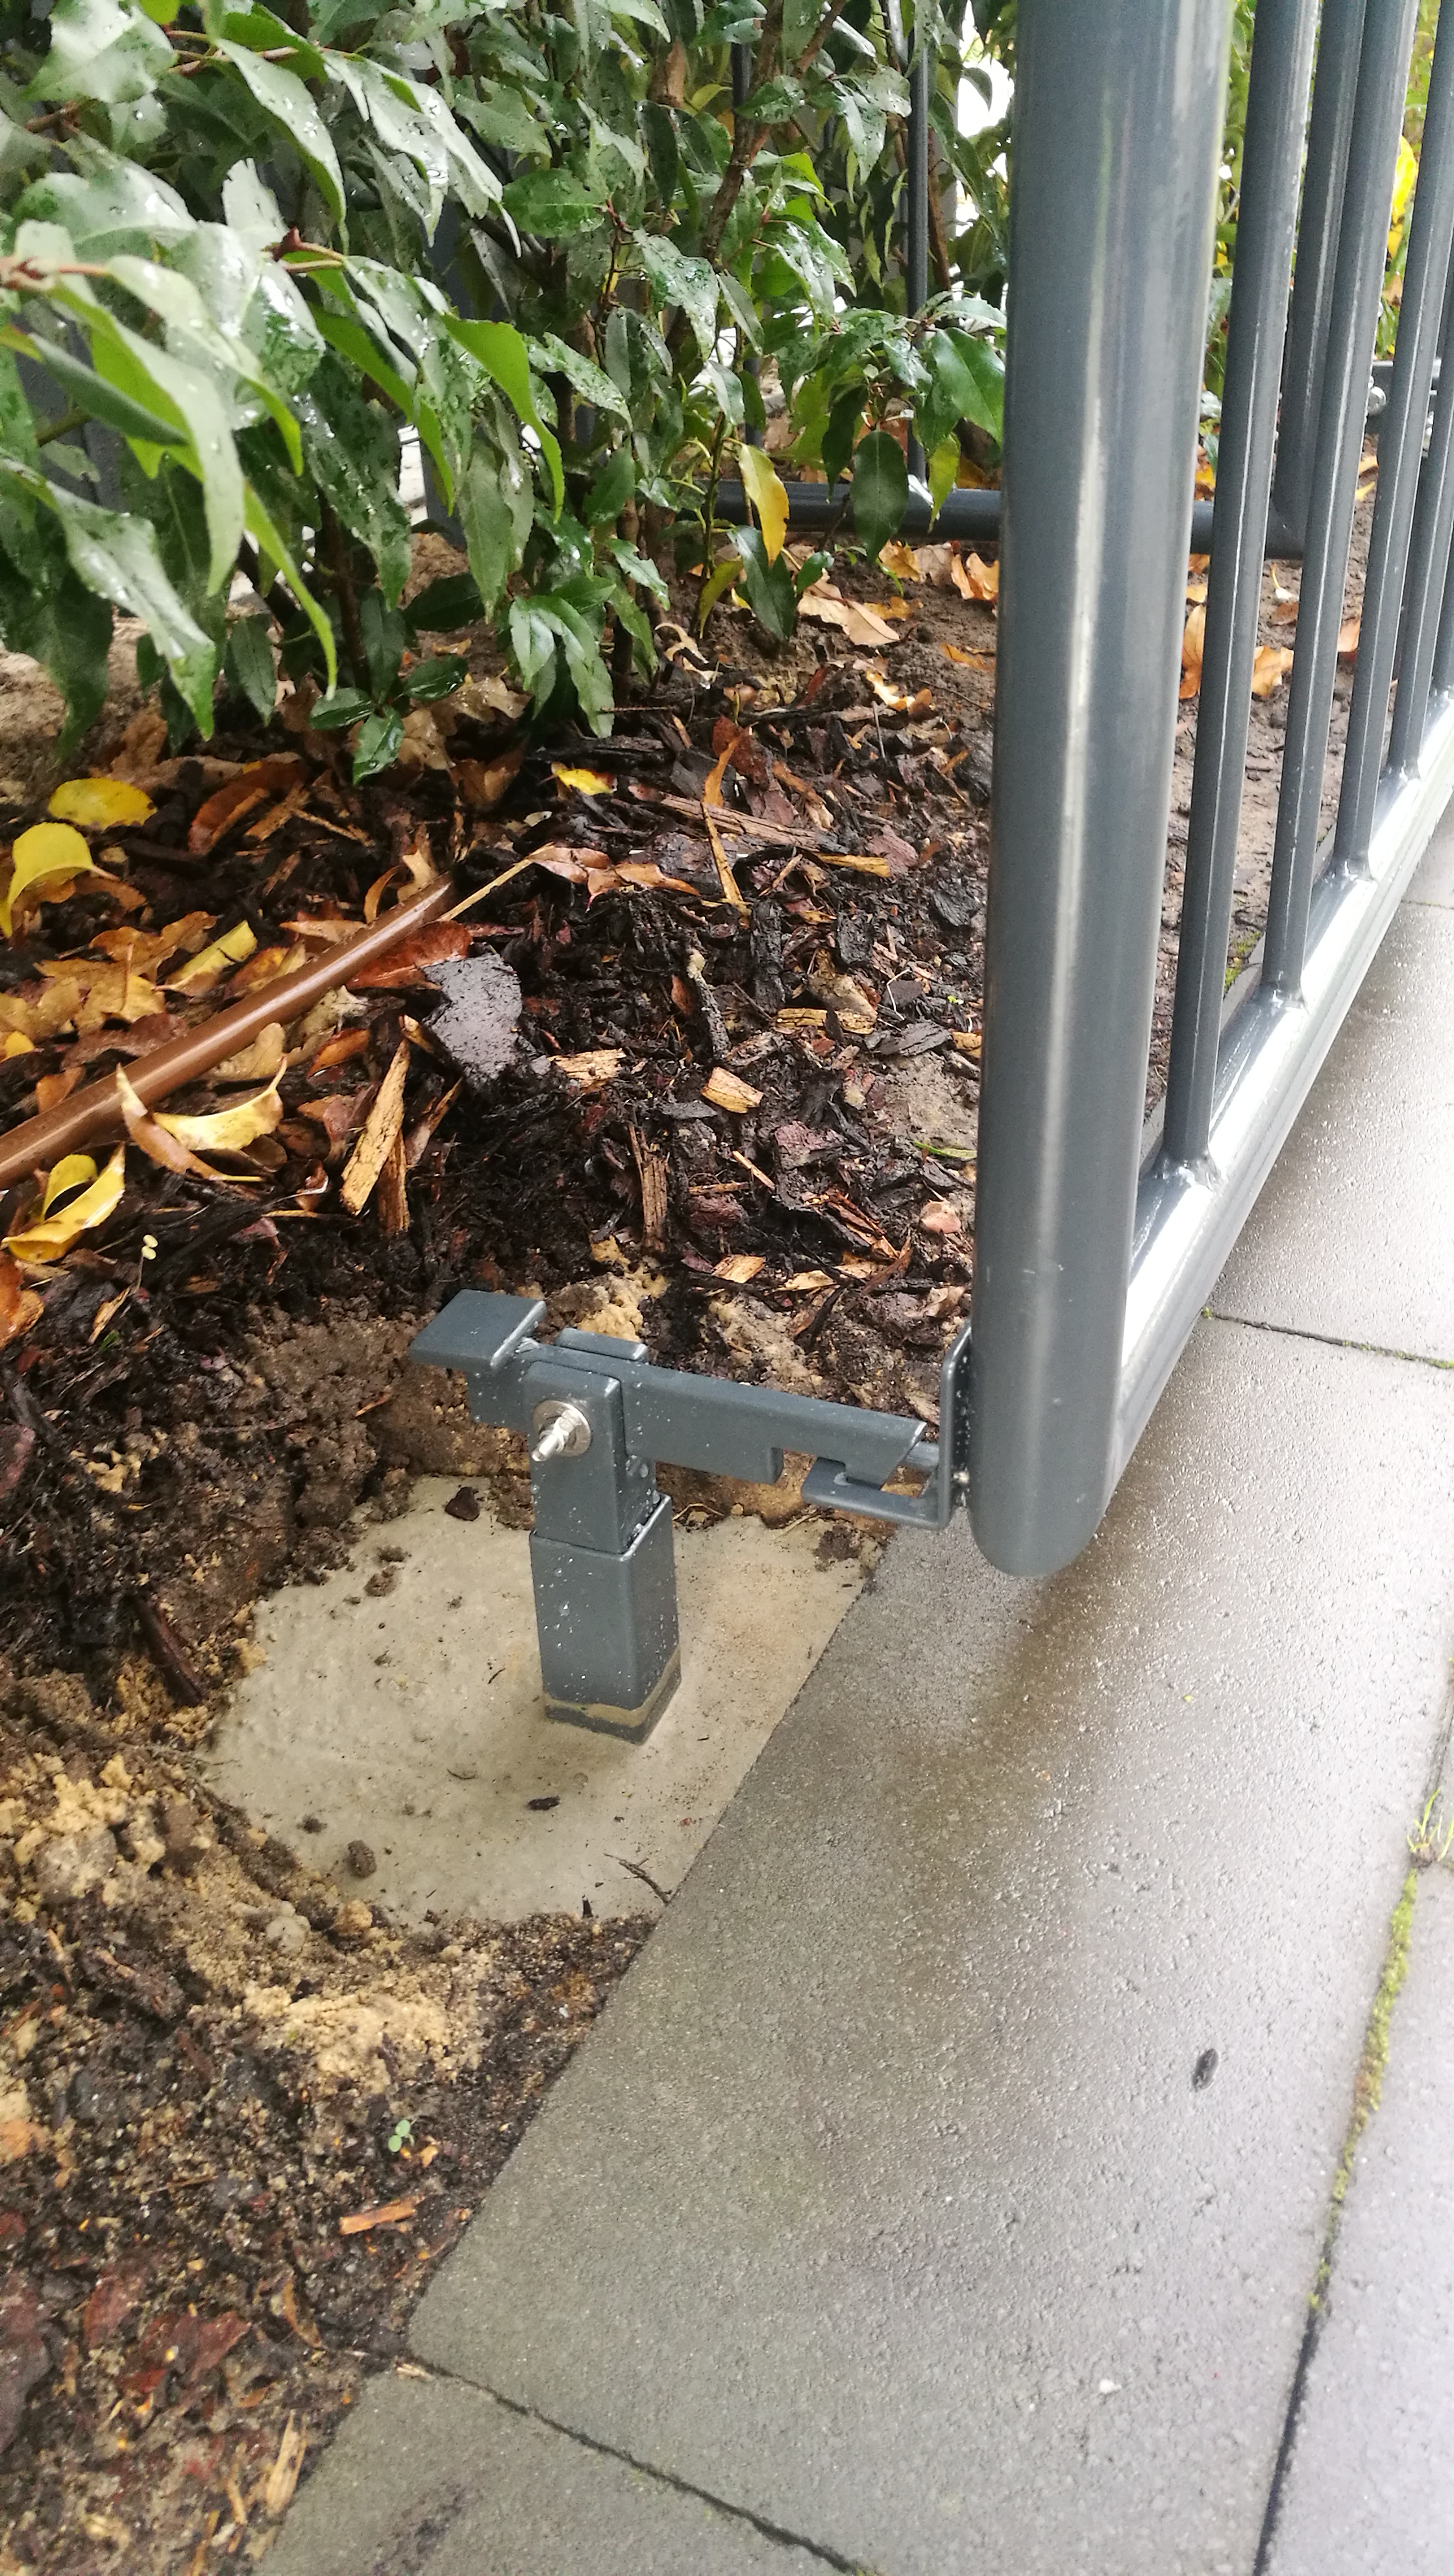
660, 2477
1330, 1341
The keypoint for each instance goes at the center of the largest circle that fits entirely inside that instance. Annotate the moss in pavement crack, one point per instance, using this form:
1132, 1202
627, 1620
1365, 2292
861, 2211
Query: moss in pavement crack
1368, 2082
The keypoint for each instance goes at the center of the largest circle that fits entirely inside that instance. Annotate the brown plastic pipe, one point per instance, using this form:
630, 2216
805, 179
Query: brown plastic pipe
96, 1111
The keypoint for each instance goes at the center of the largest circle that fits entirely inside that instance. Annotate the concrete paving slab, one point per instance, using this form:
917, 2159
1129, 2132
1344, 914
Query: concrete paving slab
429, 2478
946, 2182
1370, 2486
413, 1721
1433, 880
1334, 1244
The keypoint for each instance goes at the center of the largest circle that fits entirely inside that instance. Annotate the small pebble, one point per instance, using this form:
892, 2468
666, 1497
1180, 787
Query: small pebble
361, 1860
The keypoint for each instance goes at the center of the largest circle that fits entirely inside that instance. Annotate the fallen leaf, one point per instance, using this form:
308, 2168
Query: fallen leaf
767, 494
41, 1013
1196, 592
212, 962
483, 783
47, 850
862, 626
100, 803
17, 1043
592, 1069
53, 1088
728, 1091
739, 1267
421, 745
147, 949
940, 1216
154, 1139
19, 1305
259, 778
637, 872
340, 1049
559, 859
1347, 645
889, 694
587, 782
971, 661
388, 2213
380, 1129
426, 946
900, 560
264, 967
1193, 642
282, 2477
966, 1042
46, 1237
490, 696
975, 579
1270, 668
19, 2138
1284, 609
260, 1061
712, 784
229, 1130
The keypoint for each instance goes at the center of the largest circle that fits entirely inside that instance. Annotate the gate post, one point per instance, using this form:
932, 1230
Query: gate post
1118, 128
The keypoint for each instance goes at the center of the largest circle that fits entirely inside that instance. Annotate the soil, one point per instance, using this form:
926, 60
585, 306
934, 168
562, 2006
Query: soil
727, 1103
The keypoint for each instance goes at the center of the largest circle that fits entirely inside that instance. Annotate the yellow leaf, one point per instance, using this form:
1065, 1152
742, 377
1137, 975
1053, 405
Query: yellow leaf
767, 495
1406, 171
46, 850
17, 1043
900, 560
211, 962
72, 1172
1193, 645
229, 1130
588, 782
48, 1237
260, 1061
100, 804
971, 661
1270, 669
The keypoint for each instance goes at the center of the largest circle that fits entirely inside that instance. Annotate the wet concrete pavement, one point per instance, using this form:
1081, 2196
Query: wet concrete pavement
946, 2187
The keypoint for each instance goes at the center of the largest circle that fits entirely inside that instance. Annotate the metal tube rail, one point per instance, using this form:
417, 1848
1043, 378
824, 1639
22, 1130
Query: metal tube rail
1277, 106
1428, 563
916, 190
816, 509
1118, 122
1367, 195
1339, 38
1400, 458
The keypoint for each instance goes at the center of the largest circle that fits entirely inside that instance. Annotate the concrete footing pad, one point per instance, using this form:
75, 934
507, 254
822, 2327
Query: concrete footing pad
398, 1705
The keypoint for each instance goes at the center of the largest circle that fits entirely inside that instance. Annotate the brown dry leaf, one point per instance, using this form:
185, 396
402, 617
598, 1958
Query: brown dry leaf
265, 966
100, 804
53, 1088
1348, 639
966, 1042
586, 782
19, 1305
427, 946
420, 1137
1270, 668
282, 2477
559, 859
340, 1049
728, 1091
421, 745
141, 745
1196, 592
489, 696
483, 783
147, 949
890, 695
106, 1313
20, 2138
591, 1070
1193, 642
970, 661
259, 1062
387, 2213
900, 560
230, 1130
973, 578
940, 1216
380, 1129
712, 784
248, 788
739, 1267
862, 626
41, 1011
802, 1280
1284, 609
636, 872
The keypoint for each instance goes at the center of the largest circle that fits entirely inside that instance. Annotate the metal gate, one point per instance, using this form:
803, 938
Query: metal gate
1098, 1240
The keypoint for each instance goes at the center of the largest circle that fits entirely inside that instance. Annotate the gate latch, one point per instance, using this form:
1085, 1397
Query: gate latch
598, 1415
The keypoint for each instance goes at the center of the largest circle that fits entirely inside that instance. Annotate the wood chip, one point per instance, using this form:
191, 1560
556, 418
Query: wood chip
729, 884
793, 1018
651, 1171
282, 2477
739, 1267
380, 1129
804, 1280
727, 1091
388, 2213
592, 1069
967, 1042
393, 1198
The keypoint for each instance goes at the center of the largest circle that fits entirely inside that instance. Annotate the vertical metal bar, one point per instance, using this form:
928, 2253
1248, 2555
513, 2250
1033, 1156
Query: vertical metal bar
916, 189
1367, 195
1118, 126
1428, 564
1277, 107
1442, 677
1329, 126
741, 84
1400, 458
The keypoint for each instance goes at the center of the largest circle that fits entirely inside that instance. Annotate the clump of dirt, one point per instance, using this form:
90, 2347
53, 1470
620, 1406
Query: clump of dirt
241, 2119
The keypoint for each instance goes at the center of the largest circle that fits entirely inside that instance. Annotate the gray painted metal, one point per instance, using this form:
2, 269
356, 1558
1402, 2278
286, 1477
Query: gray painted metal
1373, 142
601, 1555
1187, 1221
916, 192
1340, 35
1400, 456
1119, 123
1428, 562
1277, 102
815, 508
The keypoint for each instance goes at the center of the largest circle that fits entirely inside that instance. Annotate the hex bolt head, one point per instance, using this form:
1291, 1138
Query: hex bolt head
558, 1430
